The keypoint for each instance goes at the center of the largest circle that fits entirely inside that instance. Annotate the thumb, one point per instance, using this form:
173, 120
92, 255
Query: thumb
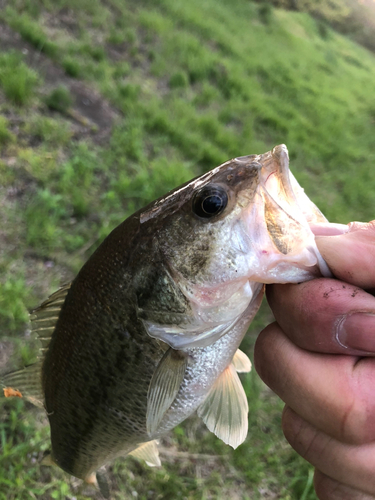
351, 256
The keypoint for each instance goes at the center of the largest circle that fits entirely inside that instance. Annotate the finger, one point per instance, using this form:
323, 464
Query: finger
352, 466
329, 489
325, 315
339, 389
329, 229
350, 256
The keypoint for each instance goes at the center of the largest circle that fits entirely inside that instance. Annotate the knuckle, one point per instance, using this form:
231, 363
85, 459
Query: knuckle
307, 440
358, 414
358, 426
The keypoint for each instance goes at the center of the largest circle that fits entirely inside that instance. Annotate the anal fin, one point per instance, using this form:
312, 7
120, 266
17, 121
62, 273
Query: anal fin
225, 409
100, 481
164, 387
25, 383
48, 460
148, 452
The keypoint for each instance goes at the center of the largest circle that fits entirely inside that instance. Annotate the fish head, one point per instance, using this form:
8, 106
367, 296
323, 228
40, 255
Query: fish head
226, 233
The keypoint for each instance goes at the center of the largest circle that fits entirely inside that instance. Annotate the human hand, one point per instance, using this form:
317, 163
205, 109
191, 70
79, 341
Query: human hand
320, 359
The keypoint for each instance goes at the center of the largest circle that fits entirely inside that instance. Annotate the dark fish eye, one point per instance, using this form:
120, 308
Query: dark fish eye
210, 201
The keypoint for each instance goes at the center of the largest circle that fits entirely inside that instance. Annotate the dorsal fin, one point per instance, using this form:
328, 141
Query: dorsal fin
225, 409
25, 383
164, 386
44, 317
241, 362
148, 452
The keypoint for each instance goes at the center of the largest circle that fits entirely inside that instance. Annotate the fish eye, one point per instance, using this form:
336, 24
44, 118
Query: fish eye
210, 201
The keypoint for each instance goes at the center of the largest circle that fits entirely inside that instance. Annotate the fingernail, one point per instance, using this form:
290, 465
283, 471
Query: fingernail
327, 229
357, 331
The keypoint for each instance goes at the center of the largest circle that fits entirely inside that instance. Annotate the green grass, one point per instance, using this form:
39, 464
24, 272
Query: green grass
59, 99
17, 80
6, 135
189, 85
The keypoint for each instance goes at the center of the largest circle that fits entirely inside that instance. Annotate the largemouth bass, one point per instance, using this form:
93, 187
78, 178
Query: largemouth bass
148, 332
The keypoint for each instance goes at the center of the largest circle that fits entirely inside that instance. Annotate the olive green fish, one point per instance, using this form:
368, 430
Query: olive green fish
148, 332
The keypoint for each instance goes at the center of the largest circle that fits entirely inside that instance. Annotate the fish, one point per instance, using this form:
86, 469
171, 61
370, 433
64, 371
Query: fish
149, 330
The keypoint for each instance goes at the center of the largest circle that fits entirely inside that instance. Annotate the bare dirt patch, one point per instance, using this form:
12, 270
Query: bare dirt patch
92, 114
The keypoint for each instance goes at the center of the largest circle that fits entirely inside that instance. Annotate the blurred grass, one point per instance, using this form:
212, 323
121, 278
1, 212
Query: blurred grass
187, 85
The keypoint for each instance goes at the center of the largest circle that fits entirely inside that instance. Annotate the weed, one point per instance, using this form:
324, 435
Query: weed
178, 79
42, 218
265, 13
71, 66
59, 99
48, 130
17, 80
13, 293
77, 179
31, 32
5, 135
129, 91
115, 37
121, 70
95, 52
323, 29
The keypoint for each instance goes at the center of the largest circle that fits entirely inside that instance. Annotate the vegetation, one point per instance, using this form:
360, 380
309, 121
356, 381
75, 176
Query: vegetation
59, 99
106, 105
17, 80
355, 18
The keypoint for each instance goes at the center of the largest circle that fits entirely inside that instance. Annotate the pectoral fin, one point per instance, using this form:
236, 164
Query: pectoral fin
241, 362
164, 387
148, 452
225, 409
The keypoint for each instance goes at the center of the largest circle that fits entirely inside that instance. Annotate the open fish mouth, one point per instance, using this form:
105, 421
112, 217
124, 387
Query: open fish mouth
280, 183
280, 219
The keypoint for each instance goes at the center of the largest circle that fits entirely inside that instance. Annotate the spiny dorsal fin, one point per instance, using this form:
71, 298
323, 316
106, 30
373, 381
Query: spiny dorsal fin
241, 362
148, 452
225, 409
164, 387
26, 382
45, 316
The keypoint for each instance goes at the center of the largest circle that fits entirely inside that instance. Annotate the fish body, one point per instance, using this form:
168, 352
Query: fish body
148, 332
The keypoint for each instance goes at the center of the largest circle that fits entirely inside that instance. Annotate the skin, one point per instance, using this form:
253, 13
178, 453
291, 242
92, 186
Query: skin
319, 357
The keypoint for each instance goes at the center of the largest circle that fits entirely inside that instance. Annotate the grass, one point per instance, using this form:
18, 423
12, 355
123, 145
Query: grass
5, 135
184, 86
17, 80
59, 99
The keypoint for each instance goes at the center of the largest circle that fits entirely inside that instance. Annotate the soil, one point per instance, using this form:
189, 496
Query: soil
92, 114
